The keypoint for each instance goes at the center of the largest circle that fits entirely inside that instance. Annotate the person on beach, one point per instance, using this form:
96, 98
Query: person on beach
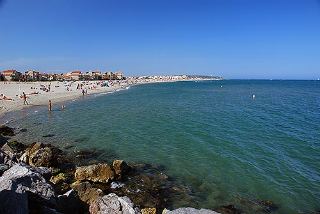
50, 105
24, 96
83, 92
3, 97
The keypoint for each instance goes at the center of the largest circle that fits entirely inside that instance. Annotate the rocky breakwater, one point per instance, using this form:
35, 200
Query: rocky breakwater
40, 178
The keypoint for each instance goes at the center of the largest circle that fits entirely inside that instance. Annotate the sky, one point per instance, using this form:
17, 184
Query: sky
247, 39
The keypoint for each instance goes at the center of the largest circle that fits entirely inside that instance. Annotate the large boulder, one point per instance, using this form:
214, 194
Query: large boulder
22, 178
96, 173
6, 131
112, 204
189, 210
86, 192
24, 186
13, 147
120, 168
39, 154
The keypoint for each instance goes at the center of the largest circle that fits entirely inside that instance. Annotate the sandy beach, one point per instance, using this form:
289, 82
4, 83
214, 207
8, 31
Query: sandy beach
38, 93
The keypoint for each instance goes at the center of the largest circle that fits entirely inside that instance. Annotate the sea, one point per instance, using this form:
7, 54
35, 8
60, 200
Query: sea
239, 142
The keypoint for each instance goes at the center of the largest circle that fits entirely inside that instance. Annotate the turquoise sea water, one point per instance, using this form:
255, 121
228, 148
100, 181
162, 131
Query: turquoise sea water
211, 135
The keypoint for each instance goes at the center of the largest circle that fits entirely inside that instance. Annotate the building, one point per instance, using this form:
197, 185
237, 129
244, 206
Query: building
11, 75
75, 75
107, 76
32, 75
118, 75
93, 75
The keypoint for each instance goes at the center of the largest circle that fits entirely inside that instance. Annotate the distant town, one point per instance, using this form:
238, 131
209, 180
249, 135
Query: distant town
33, 76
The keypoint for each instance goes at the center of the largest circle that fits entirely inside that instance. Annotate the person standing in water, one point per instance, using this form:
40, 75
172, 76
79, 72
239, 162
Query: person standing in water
24, 96
50, 105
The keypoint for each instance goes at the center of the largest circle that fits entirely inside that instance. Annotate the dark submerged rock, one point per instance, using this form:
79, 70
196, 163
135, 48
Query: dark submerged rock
228, 209
268, 206
13, 149
6, 131
48, 135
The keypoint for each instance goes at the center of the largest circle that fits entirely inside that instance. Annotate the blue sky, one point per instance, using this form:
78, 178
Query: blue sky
231, 38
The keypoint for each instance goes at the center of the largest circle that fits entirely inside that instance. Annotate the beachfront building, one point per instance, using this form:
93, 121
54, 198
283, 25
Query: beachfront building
32, 75
75, 75
67, 76
118, 75
107, 75
11, 75
93, 75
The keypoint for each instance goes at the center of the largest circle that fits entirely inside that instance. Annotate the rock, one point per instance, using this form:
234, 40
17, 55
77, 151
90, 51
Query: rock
96, 173
86, 192
22, 179
5, 159
59, 178
3, 168
189, 210
120, 167
26, 185
268, 206
112, 204
39, 154
41, 157
228, 209
145, 190
149, 211
61, 182
6, 131
116, 185
16, 146
70, 203
44, 171
13, 149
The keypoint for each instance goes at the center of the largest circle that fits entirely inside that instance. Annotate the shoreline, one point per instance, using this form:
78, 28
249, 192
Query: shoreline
59, 96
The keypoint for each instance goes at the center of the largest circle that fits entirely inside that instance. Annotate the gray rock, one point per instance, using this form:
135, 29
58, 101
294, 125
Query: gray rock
6, 159
112, 204
22, 179
189, 210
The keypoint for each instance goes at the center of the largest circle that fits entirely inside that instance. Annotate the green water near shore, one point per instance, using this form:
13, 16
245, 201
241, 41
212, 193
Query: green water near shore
211, 135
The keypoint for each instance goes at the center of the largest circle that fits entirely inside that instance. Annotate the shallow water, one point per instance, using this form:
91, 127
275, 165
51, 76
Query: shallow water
211, 135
